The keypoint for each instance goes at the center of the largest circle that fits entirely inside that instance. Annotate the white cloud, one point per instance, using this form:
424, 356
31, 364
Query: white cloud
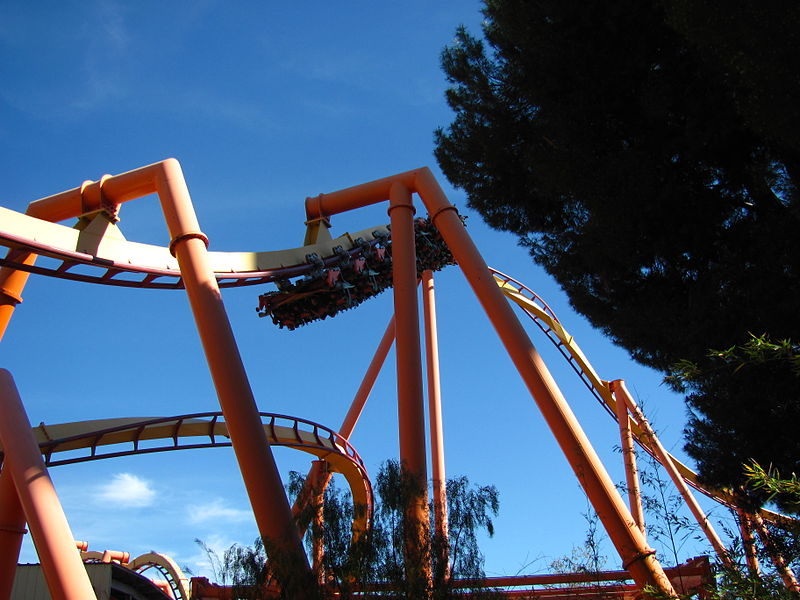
215, 511
128, 490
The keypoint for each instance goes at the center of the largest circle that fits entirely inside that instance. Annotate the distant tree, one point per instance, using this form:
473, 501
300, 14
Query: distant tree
375, 560
647, 153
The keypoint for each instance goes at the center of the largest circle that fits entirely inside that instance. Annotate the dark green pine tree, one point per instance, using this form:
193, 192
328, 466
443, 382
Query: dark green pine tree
647, 152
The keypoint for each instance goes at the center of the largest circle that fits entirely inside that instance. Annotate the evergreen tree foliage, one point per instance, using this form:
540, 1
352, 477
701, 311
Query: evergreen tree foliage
647, 153
732, 422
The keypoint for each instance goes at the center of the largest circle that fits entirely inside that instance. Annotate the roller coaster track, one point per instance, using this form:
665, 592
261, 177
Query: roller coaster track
544, 317
168, 569
112, 260
83, 441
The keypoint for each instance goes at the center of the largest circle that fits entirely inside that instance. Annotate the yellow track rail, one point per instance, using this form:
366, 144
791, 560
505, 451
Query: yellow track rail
545, 318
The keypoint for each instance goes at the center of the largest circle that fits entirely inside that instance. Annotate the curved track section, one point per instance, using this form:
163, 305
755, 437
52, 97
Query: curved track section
169, 570
84, 441
544, 317
99, 253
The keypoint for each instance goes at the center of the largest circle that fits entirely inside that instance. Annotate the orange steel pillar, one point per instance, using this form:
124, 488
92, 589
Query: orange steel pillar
748, 542
259, 471
629, 458
622, 394
365, 389
435, 417
409, 361
189, 245
315, 475
63, 570
12, 528
410, 405
637, 557
783, 568
318, 523
12, 282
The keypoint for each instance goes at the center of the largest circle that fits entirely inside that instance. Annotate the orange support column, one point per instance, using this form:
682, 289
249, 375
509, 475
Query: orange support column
622, 394
637, 557
748, 543
189, 245
438, 474
315, 475
63, 570
318, 522
259, 471
783, 568
12, 282
409, 361
12, 528
411, 411
365, 389
629, 458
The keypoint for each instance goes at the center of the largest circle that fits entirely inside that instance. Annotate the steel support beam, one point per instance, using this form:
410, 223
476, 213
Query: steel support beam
438, 474
61, 564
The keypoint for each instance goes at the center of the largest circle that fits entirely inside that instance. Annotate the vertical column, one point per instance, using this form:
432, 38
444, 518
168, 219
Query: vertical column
318, 521
63, 570
12, 528
409, 362
629, 458
410, 404
12, 282
438, 475
748, 543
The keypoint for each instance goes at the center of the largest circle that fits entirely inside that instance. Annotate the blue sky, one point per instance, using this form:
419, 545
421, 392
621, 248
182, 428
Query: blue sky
266, 103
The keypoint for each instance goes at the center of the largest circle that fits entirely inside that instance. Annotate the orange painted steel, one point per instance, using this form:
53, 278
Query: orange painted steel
438, 473
12, 282
637, 557
315, 476
411, 412
410, 404
368, 382
12, 529
623, 395
189, 245
318, 522
63, 570
748, 542
784, 570
629, 459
